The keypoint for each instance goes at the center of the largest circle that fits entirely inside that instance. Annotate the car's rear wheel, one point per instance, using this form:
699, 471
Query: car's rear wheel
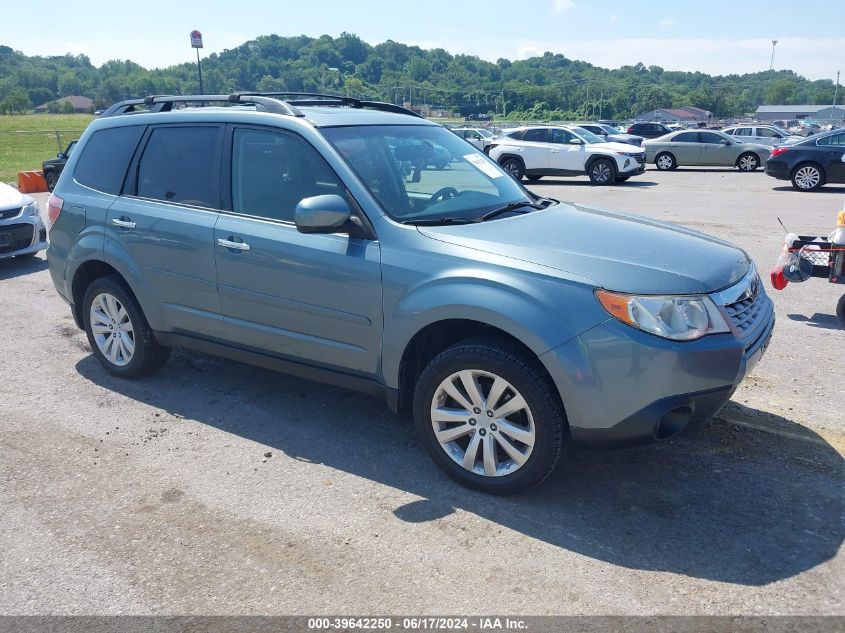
118, 332
514, 167
602, 172
489, 417
665, 161
807, 177
840, 311
748, 162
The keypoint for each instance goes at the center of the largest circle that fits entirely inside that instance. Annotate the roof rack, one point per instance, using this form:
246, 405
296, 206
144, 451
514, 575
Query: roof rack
265, 101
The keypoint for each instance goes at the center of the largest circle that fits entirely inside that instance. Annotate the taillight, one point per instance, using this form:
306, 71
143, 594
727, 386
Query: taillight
777, 151
54, 207
779, 282
630, 130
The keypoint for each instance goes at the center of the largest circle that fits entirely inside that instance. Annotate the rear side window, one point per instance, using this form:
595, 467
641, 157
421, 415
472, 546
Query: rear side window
539, 136
744, 131
182, 164
105, 158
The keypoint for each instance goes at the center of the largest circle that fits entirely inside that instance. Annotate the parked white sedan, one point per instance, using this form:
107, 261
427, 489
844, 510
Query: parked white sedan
22, 231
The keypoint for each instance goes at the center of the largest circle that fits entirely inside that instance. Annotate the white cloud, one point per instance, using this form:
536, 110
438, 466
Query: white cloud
563, 5
613, 17
667, 22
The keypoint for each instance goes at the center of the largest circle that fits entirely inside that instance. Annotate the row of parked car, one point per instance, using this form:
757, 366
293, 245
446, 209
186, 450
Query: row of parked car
607, 155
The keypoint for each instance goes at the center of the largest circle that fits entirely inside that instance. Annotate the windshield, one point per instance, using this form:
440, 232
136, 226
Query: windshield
424, 172
486, 133
609, 129
781, 131
586, 136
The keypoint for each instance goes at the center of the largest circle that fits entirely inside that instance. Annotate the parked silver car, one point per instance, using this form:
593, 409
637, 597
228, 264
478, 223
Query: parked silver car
762, 134
22, 232
704, 147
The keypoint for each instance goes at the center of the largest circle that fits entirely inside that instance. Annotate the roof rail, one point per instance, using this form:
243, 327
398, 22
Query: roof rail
266, 101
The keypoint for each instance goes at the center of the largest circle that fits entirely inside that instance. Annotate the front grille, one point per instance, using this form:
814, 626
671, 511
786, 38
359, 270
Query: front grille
8, 214
640, 158
15, 237
745, 312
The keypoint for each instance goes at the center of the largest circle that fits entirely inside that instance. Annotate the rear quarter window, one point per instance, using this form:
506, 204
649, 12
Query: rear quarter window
105, 158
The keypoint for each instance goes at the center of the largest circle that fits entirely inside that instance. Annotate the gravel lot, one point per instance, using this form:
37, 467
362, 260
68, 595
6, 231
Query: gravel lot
155, 496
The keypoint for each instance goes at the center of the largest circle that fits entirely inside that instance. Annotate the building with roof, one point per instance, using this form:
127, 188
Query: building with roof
685, 113
788, 112
79, 104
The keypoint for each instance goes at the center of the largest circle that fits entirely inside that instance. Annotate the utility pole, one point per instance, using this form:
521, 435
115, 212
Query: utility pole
835, 90
772, 62
601, 103
588, 99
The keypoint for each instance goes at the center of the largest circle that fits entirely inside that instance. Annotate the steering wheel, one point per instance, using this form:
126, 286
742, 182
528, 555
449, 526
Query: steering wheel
446, 193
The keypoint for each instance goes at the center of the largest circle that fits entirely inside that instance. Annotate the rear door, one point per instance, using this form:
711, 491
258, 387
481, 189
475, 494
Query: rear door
834, 150
163, 228
312, 297
686, 148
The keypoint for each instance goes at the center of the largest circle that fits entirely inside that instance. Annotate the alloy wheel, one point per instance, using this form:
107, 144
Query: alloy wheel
601, 172
748, 163
112, 328
807, 177
664, 162
483, 423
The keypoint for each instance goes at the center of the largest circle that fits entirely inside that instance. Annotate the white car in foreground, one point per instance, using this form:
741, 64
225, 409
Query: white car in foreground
537, 151
22, 231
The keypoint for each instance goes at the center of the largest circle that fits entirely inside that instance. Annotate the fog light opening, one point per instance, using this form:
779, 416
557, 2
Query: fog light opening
672, 423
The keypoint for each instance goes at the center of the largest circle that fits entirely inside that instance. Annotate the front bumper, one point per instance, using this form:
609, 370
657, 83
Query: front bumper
623, 387
630, 166
22, 235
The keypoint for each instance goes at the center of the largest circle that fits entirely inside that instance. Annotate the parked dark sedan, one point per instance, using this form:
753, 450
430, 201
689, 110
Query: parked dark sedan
648, 130
53, 168
811, 163
611, 134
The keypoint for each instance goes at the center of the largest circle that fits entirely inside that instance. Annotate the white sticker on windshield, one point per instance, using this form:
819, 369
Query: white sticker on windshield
483, 166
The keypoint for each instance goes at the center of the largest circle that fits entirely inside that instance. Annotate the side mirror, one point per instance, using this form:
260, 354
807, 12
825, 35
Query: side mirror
61, 156
322, 214
576, 141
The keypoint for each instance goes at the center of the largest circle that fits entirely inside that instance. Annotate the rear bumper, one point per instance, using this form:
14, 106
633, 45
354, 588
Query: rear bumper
778, 169
623, 387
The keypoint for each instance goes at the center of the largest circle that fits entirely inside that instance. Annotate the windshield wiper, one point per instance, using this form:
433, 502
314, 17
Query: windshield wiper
510, 207
437, 221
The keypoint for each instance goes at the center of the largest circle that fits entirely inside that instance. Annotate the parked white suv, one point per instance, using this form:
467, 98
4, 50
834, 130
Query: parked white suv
537, 151
762, 134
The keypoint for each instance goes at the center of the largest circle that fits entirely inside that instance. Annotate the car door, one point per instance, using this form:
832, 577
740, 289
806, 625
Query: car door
833, 147
686, 148
535, 149
310, 297
714, 150
564, 156
163, 228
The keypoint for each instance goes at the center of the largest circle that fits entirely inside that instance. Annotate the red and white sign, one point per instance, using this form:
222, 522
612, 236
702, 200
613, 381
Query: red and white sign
196, 39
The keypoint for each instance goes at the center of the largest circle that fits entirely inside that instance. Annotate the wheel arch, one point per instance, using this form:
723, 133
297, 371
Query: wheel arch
507, 155
85, 274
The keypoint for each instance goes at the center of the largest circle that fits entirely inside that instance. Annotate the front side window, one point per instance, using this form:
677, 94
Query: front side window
105, 158
562, 136
182, 164
424, 173
709, 137
764, 132
272, 172
686, 137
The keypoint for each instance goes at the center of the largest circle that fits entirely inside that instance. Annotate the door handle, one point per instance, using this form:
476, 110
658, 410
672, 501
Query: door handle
555, 151
124, 224
239, 246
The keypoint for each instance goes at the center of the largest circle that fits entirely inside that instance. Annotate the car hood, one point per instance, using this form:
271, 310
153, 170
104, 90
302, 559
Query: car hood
11, 198
621, 252
623, 135
614, 147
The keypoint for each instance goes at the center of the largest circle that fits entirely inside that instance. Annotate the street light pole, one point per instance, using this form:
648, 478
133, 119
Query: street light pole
772, 62
835, 91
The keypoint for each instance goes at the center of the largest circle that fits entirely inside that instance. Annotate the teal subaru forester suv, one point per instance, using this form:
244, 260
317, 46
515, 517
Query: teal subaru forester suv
317, 235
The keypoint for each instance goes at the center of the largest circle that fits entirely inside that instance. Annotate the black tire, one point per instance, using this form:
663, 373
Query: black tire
669, 163
807, 177
514, 167
533, 177
148, 355
622, 178
749, 161
602, 172
840, 311
27, 256
526, 376
51, 178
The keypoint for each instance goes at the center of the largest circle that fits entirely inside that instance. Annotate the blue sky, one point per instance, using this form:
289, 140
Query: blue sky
722, 37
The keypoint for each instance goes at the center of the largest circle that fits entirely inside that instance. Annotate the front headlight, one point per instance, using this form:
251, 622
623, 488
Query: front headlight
31, 209
681, 318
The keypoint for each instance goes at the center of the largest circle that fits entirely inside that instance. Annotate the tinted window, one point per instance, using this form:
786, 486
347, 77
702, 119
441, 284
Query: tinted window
765, 132
515, 135
538, 135
273, 172
686, 137
105, 158
562, 136
181, 164
731, 131
709, 137
744, 131
836, 139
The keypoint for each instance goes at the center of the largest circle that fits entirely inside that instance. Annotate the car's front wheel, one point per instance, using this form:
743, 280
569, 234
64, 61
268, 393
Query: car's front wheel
118, 332
514, 167
807, 177
748, 162
489, 417
602, 172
